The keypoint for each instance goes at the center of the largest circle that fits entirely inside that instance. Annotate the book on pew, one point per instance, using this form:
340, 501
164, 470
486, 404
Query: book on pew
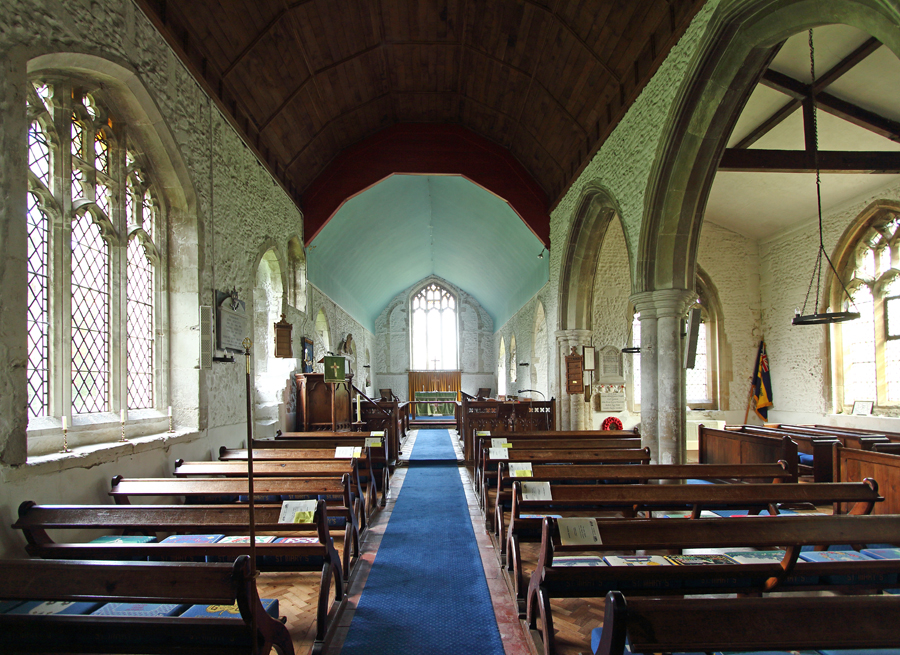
140, 609
499, 453
520, 470
373, 442
536, 491
124, 539
577, 560
297, 511
227, 611
186, 539
773, 557
881, 553
347, 452
260, 539
847, 556
578, 531
50, 607
500, 442
636, 560
700, 560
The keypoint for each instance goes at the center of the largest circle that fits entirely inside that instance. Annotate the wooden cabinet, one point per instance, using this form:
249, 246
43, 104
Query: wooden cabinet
323, 405
574, 374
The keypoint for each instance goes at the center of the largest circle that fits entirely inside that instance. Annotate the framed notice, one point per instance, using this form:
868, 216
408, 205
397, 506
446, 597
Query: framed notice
589, 357
863, 407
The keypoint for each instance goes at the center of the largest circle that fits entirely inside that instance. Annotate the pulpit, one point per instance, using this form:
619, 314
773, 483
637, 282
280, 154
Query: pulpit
323, 405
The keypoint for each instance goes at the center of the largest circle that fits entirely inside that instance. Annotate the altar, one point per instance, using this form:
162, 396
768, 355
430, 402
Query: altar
448, 408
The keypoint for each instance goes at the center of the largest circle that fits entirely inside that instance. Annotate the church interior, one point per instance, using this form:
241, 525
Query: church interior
673, 221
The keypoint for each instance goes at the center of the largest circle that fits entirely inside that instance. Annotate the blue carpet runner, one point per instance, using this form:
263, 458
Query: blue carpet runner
426, 592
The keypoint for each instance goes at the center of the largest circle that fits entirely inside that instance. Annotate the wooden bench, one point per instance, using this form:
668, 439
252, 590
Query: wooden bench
852, 465
790, 533
631, 499
110, 581
380, 464
34, 521
730, 447
123, 489
655, 625
285, 451
530, 442
488, 468
777, 472
305, 469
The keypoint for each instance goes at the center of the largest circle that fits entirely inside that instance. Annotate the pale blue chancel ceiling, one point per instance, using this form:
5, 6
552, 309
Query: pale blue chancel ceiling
408, 227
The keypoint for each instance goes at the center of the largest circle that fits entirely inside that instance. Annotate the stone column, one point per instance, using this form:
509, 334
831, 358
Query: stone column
662, 382
576, 412
563, 404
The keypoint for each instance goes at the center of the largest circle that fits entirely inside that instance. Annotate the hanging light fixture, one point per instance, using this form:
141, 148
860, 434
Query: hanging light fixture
820, 318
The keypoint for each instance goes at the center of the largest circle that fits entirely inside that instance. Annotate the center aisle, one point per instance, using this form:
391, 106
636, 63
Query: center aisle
426, 592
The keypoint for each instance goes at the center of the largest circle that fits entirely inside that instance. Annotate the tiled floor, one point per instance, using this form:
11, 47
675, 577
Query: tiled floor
514, 641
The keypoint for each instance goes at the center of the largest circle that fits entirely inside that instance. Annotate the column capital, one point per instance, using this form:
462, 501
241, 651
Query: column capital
582, 337
663, 302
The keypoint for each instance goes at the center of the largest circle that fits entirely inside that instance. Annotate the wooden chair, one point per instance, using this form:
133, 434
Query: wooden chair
483, 393
388, 394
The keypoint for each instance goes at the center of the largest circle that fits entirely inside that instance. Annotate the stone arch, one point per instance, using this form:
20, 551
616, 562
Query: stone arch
323, 335
596, 209
741, 41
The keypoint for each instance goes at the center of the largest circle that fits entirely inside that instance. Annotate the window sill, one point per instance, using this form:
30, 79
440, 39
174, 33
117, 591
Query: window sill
91, 455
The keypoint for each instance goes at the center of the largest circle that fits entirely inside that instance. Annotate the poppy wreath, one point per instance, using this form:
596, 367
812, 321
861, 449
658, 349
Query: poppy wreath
611, 423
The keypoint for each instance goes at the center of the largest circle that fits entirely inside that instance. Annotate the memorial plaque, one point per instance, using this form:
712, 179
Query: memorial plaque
231, 322
612, 402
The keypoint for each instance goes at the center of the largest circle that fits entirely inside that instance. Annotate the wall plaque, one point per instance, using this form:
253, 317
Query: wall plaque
612, 401
231, 321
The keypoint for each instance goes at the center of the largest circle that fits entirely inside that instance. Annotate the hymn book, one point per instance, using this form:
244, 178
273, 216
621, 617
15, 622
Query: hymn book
536, 491
498, 453
297, 511
500, 442
520, 470
373, 442
347, 452
578, 531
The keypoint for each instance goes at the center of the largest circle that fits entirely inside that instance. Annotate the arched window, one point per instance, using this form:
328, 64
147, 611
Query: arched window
93, 222
868, 349
635, 360
433, 325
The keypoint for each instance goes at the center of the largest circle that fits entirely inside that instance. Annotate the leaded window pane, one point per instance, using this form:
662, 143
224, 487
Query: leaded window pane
434, 336
859, 350
147, 214
139, 327
697, 378
101, 152
103, 198
39, 153
90, 317
77, 133
37, 299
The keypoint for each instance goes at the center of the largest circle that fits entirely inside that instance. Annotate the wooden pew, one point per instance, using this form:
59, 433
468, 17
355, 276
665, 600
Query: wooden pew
379, 460
731, 447
286, 451
852, 465
629, 499
488, 469
539, 443
493, 415
654, 625
211, 584
777, 472
306, 469
789, 532
123, 489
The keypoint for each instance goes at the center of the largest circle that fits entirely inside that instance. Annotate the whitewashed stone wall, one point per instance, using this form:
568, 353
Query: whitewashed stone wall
538, 374
798, 355
237, 213
476, 346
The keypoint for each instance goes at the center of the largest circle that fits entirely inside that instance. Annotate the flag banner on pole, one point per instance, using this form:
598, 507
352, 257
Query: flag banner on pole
762, 384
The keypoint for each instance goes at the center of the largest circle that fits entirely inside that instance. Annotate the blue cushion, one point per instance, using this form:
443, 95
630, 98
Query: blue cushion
700, 482
806, 459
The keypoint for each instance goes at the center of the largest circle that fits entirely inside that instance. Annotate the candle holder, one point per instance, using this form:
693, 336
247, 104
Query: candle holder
123, 433
65, 448
171, 424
